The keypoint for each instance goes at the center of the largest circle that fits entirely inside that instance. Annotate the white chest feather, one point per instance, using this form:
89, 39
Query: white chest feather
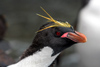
39, 59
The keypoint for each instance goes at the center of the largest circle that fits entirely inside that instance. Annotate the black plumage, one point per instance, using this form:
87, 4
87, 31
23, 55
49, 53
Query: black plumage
3, 27
49, 38
4, 45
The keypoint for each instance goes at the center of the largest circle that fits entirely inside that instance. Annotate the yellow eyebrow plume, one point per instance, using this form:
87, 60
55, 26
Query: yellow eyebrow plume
50, 19
46, 12
57, 23
44, 17
47, 27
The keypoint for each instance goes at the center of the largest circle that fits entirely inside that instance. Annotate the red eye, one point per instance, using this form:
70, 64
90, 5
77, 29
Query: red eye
58, 33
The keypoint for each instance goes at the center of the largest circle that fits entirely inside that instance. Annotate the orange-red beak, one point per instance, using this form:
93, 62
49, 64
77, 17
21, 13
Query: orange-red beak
76, 37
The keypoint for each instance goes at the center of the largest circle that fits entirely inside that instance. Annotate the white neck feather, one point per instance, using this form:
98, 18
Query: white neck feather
41, 58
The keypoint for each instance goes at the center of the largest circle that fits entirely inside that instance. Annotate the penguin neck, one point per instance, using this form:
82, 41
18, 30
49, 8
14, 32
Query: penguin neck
40, 58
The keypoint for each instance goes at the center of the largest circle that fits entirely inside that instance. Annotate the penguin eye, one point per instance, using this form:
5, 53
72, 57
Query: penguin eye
58, 33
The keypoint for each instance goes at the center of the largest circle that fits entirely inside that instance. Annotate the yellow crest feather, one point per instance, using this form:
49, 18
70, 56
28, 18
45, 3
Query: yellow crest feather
57, 23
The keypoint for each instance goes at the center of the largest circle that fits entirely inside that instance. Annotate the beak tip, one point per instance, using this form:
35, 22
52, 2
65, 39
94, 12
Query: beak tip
85, 40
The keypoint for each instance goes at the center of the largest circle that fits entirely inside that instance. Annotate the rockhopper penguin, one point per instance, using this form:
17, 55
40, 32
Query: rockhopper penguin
50, 40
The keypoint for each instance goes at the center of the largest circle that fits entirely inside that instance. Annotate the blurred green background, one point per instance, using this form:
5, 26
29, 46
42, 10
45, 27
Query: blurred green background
23, 21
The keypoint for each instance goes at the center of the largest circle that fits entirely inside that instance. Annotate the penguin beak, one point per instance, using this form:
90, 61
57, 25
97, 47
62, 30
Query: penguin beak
76, 37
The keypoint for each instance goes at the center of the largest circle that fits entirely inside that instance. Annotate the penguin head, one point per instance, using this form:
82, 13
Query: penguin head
58, 38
